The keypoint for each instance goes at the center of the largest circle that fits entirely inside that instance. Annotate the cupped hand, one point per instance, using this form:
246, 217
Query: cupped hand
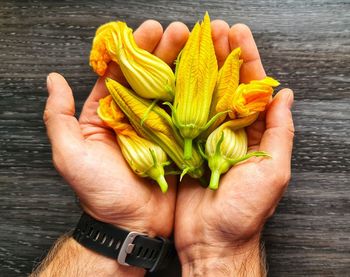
218, 224
86, 154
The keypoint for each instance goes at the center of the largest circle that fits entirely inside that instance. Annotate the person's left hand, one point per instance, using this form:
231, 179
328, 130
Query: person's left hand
87, 155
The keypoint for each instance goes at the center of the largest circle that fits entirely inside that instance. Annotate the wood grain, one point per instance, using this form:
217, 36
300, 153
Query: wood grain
304, 44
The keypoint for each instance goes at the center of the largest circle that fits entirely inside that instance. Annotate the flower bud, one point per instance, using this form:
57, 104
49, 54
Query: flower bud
149, 76
157, 127
227, 146
144, 157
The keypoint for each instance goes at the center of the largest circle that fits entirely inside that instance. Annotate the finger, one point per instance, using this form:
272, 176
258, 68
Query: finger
172, 41
147, 36
277, 140
252, 68
219, 32
62, 127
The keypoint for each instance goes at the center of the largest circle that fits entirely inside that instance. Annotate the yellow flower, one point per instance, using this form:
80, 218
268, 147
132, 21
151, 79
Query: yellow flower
252, 97
157, 127
148, 75
99, 56
226, 84
196, 74
111, 115
144, 157
227, 146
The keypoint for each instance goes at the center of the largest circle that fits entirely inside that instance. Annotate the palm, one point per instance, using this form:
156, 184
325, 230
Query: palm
117, 192
95, 168
238, 209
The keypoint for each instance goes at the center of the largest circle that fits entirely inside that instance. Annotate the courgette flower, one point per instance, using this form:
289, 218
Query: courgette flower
196, 73
157, 127
149, 76
226, 84
227, 146
252, 97
144, 157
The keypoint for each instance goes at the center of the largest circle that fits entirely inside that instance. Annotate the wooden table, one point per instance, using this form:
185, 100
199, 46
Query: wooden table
304, 44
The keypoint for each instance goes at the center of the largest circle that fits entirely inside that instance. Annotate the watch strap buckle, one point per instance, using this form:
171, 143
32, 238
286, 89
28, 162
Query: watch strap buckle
127, 247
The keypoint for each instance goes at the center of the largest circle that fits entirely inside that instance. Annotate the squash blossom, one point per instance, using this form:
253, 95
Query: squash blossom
157, 127
226, 84
227, 146
99, 56
148, 75
144, 157
196, 74
252, 97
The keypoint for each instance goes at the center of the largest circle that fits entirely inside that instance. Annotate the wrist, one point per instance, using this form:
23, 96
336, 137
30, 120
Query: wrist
240, 260
125, 222
106, 266
69, 258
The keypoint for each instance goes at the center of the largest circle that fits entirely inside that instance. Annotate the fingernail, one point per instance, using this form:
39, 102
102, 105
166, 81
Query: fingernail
48, 82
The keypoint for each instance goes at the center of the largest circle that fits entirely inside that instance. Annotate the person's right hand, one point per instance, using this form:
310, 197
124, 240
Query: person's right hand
219, 231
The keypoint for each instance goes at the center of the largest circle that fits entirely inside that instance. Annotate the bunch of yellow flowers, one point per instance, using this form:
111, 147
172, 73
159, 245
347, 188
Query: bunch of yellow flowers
209, 108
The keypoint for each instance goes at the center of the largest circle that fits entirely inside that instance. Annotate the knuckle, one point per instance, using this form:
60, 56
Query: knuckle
46, 115
291, 130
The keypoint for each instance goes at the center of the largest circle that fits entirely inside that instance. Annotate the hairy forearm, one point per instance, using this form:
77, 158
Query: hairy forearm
68, 258
248, 262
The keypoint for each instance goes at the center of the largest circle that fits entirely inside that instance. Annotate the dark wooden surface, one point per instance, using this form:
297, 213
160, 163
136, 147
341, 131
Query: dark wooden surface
304, 44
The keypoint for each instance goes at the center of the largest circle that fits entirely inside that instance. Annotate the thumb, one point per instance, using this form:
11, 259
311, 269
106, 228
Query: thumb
277, 139
62, 127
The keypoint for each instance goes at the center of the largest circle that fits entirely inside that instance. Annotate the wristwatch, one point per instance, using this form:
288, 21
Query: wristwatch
128, 248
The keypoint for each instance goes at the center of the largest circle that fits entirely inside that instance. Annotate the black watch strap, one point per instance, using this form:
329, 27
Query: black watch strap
128, 248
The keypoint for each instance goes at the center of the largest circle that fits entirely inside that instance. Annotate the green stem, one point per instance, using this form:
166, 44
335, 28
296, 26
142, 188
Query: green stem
188, 148
184, 172
213, 119
149, 109
201, 150
162, 183
214, 180
249, 155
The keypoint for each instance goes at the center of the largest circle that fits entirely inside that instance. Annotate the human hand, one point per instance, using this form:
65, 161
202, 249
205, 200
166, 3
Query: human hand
86, 153
219, 230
